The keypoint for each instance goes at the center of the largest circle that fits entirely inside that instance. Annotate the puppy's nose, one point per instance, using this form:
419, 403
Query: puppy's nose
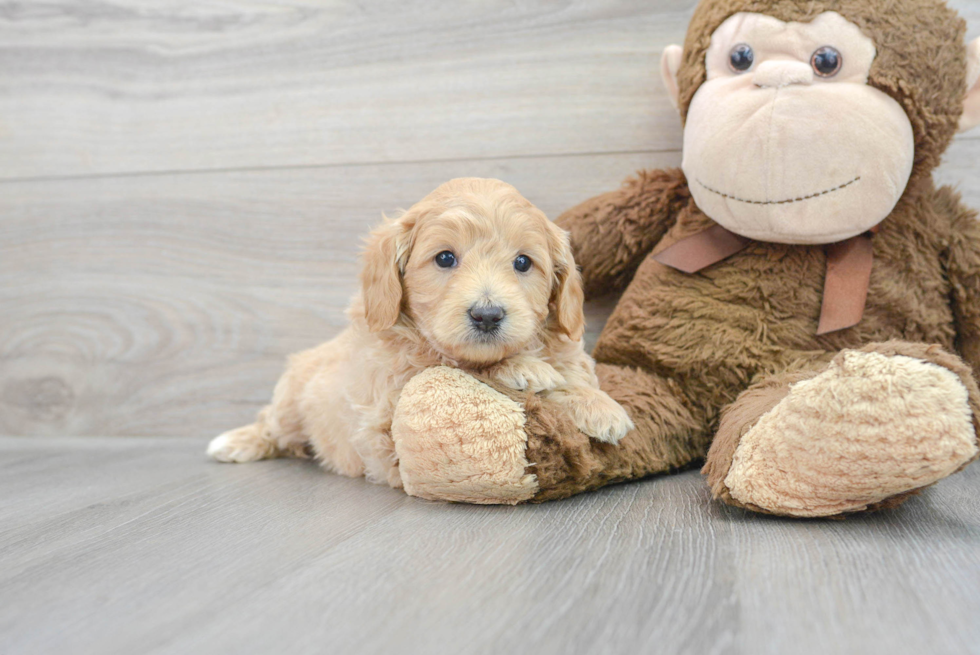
487, 319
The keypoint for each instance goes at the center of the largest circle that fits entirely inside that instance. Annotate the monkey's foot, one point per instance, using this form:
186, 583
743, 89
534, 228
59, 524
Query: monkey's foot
458, 439
866, 432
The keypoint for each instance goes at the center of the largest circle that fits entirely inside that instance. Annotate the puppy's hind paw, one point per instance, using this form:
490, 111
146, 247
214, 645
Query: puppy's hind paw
245, 444
528, 374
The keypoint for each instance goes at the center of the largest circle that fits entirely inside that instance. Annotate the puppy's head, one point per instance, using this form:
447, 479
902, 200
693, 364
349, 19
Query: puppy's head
479, 270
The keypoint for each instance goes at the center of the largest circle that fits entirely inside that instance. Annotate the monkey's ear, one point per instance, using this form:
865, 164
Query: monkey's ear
971, 105
670, 63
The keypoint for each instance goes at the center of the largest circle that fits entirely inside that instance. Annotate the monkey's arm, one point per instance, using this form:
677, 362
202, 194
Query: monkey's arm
612, 233
964, 273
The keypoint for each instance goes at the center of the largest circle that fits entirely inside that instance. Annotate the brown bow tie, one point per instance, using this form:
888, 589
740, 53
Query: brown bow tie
845, 288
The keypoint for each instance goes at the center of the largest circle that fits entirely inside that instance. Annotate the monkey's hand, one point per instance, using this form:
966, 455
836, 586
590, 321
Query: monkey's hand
612, 233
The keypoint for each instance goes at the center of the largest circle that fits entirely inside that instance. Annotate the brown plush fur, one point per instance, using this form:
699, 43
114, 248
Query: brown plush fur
685, 352
680, 348
726, 364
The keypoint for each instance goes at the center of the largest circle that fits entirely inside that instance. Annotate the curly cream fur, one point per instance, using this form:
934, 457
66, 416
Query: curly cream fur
338, 399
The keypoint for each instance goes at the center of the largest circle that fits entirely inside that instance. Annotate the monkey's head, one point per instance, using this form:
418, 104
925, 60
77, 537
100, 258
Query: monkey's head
805, 121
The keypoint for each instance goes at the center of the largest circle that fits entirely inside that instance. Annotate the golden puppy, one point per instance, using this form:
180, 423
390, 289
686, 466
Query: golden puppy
473, 276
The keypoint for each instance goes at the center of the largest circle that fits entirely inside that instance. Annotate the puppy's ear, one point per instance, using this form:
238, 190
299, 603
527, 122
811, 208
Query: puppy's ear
566, 294
385, 258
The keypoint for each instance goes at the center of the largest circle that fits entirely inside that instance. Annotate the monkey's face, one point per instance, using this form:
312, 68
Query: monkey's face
785, 141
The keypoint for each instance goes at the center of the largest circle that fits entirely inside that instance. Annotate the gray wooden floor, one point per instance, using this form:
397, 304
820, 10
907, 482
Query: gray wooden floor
142, 546
183, 187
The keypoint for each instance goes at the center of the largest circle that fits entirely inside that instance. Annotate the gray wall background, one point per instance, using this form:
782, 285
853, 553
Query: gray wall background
183, 186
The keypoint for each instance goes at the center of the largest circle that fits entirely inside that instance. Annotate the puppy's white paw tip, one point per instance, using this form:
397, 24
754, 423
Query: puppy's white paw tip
237, 447
218, 448
610, 428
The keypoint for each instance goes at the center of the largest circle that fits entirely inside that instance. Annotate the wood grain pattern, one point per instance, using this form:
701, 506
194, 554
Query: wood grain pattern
141, 545
165, 305
147, 303
112, 86
183, 188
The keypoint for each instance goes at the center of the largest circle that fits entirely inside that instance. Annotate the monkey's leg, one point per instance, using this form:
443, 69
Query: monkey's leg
866, 431
463, 439
669, 434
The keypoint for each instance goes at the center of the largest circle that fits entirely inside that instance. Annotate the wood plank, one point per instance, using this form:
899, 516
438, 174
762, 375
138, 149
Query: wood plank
116, 86
961, 170
165, 305
142, 545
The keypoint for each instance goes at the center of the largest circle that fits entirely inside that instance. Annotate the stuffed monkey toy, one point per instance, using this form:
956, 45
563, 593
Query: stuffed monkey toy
800, 305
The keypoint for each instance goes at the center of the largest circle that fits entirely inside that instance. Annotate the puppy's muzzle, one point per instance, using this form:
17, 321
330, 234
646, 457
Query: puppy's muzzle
487, 319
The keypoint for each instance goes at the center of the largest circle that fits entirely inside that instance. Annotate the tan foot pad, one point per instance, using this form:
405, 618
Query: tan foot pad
457, 439
870, 427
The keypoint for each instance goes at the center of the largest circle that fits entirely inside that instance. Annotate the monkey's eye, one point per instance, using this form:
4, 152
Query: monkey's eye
445, 259
826, 61
741, 58
522, 264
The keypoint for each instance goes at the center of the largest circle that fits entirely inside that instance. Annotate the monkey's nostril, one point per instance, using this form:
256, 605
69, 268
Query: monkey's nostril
487, 319
778, 74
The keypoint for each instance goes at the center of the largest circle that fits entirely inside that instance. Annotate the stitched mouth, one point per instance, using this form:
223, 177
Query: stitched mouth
778, 202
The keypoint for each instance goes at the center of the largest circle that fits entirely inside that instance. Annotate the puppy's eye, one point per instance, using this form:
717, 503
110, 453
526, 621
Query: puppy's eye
741, 58
522, 264
826, 61
445, 259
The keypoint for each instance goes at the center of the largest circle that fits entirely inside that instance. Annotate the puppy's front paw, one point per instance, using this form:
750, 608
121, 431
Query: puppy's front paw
528, 373
599, 416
